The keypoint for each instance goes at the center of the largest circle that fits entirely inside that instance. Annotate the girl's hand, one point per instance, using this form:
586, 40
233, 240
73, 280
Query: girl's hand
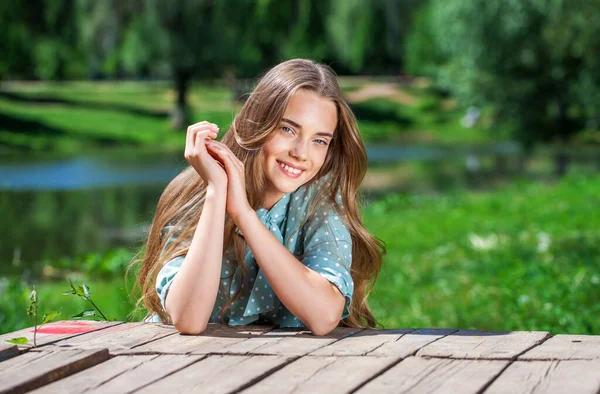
237, 200
209, 169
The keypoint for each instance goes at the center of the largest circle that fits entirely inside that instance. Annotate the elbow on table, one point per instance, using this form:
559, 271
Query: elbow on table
323, 328
189, 328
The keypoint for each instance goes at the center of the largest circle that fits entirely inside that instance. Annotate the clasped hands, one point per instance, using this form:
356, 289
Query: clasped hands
216, 164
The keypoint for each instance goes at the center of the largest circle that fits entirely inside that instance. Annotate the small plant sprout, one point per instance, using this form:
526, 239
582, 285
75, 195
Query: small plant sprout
84, 292
32, 311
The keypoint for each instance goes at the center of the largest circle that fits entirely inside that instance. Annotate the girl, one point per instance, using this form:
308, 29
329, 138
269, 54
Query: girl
264, 226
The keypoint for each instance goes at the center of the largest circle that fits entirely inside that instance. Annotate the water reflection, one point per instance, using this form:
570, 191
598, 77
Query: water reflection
69, 207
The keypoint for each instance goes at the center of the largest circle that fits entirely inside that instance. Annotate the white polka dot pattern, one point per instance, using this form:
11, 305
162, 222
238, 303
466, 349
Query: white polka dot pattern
324, 246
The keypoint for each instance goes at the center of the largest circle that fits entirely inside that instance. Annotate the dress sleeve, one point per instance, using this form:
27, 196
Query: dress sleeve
167, 272
328, 251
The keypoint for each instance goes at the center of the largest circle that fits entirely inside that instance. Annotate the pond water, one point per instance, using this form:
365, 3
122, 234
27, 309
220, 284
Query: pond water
67, 207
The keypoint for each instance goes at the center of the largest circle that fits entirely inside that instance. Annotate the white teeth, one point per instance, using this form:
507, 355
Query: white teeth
290, 169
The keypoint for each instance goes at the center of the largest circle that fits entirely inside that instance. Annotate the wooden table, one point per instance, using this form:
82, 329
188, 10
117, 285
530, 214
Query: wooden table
82, 356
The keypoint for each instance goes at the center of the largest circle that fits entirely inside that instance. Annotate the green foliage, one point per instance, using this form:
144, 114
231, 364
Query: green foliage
533, 61
112, 295
18, 341
32, 311
84, 292
522, 258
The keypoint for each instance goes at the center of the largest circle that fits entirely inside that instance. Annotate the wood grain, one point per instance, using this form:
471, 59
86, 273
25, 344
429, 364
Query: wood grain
118, 339
36, 369
473, 344
218, 374
8, 350
216, 340
53, 332
409, 344
566, 347
436, 375
361, 343
316, 374
290, 342
121, 374
551, 377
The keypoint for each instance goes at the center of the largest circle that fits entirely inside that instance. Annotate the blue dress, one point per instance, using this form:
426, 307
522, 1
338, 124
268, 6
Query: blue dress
323, 244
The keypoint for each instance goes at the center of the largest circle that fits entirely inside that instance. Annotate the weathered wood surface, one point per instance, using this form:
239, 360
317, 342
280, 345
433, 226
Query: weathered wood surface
316, 374
436, 375
53, 332
472, 344
35, 369
8, 350
566, 347
218, 374
119, 338
216, 339
73, 357
558, 376
121, 374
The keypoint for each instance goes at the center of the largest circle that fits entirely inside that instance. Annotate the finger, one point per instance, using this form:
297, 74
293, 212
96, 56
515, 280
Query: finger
226, 149
225, 156
201, 126
204, 135
192, 132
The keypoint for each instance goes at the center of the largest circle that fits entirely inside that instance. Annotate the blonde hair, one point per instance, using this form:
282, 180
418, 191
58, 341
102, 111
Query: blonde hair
181, 203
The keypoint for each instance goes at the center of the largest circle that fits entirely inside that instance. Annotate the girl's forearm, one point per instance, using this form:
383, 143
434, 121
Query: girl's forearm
191, 297
305, 293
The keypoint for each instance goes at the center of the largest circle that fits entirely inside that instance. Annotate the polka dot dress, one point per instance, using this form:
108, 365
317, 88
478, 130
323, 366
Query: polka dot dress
322, 243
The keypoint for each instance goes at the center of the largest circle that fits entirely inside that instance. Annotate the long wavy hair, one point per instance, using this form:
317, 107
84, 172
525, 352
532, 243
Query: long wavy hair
345, 165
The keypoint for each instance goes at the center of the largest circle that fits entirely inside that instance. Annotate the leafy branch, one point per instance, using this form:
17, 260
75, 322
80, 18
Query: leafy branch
32, 311
84, 292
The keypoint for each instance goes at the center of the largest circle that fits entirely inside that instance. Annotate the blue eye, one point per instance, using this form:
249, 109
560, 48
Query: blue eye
287, 130
321, 142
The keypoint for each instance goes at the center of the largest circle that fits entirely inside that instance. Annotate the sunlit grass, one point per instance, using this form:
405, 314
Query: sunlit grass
523, 258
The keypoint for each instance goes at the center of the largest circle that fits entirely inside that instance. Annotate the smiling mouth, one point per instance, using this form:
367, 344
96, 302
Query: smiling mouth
291, 171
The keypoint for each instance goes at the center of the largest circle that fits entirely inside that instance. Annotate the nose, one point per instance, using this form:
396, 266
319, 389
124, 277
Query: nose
299, 150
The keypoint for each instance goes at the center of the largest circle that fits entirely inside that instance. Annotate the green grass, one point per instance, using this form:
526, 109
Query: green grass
526, 257
523, 258
73, 116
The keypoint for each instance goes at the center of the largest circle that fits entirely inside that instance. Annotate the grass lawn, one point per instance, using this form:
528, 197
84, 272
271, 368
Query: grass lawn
526, 257
523, 258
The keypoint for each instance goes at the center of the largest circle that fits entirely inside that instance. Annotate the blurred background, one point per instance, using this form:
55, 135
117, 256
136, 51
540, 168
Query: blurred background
481, 120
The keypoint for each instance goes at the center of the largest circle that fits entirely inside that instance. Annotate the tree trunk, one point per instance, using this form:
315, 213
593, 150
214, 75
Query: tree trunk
179, 117
561, 163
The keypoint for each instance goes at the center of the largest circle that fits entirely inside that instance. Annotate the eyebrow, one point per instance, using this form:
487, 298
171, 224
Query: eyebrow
321, 133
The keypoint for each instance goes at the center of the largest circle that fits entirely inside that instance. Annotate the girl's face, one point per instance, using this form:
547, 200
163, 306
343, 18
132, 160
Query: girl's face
297, 149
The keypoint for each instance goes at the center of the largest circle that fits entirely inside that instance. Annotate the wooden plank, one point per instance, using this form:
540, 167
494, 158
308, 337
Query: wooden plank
215, 339
409, 344
566, 347
8, 350
218, 374
289, 342
36, 369
52, 332
552, 377
119, 339
361, 343
436, 375
476, 344
316, 374
121, 374
378, 343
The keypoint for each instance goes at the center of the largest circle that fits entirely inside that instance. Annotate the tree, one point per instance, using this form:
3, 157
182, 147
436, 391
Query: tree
534, 61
